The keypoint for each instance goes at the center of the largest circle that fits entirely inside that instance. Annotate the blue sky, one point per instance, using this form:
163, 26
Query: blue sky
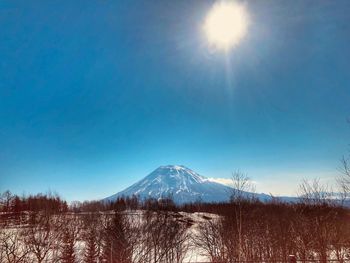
95, 95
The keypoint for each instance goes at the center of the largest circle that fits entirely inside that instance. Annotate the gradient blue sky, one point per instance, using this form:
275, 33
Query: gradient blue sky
94, 95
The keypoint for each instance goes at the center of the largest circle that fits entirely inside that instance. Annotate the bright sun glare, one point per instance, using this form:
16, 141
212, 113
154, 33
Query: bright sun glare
226, 24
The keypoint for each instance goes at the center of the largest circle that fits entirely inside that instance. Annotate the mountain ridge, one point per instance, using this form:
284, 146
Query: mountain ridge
180, 183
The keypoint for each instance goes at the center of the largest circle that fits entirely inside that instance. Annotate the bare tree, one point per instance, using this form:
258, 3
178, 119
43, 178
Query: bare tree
174, 239
209, 238
2, 239
116, 247
92, 237
12, 249
161, 238
321, 214
315, 193
5, 200
344, 180
242, 187
340, 235
68, 234
41, 236
241, 193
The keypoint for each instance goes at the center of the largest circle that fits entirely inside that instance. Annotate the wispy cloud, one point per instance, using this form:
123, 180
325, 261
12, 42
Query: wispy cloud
224, 181
230, 182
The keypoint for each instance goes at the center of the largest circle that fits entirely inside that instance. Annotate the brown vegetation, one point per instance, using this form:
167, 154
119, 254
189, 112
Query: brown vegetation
42, 228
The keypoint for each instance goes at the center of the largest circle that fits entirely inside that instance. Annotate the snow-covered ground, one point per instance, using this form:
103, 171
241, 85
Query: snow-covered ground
193, 254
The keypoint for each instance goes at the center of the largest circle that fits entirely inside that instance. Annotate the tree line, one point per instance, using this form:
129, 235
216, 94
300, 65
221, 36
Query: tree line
41, 202
130, 230
243, 229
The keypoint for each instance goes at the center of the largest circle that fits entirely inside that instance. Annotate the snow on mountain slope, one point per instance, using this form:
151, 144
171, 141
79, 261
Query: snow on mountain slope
179, 182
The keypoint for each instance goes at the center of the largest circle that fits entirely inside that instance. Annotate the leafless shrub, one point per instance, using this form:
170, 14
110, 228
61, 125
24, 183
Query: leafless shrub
209, 238
5, 200
42, 237
344, 180
319, 220
163, 238
12, 249
315, 193
241, 194
243, 188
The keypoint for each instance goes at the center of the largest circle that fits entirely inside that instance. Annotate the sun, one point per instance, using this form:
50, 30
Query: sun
226, 24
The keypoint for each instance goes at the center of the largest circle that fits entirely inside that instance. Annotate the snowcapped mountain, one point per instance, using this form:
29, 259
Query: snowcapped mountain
181, 183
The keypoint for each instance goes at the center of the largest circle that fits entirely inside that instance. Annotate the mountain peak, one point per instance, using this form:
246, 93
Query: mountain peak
181, 183
175, 175
172, 166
